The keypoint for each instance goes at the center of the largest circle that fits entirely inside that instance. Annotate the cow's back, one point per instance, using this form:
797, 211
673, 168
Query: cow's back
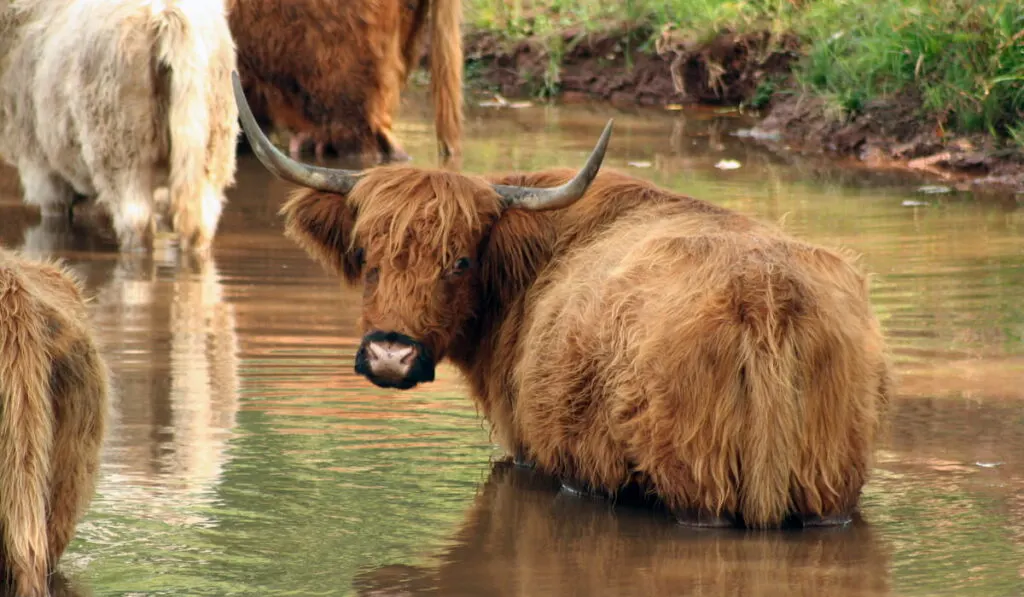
671, 336
97, 87
333, 67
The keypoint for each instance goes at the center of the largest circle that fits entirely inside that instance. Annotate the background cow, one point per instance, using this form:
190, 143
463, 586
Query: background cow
613, 333
53, 409
332, 72
114, 99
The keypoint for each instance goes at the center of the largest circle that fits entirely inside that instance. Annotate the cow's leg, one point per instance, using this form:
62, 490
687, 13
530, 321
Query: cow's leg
129, 197
79, 385
195, 218
390, 147
295, 144
44, 188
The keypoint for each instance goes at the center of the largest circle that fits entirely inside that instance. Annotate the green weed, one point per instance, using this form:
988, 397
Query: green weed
962, 59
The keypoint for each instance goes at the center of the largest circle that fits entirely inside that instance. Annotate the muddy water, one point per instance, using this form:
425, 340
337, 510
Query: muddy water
245, 457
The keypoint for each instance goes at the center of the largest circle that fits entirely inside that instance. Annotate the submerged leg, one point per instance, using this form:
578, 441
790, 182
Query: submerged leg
129, 198
44, 188
701, 518
522, 461
295, 144
834, 520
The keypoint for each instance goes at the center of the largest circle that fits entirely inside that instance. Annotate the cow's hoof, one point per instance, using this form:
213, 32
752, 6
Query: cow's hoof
699, 518
832, 520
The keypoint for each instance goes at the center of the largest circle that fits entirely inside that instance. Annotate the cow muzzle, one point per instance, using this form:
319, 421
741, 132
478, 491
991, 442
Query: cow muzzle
393, 360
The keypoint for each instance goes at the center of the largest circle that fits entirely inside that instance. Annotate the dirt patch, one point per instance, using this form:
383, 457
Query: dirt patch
636, 65
630, 65
893, 133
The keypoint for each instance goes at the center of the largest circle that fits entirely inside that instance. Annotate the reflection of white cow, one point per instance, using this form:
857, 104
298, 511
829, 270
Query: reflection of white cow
114, 99
171, 341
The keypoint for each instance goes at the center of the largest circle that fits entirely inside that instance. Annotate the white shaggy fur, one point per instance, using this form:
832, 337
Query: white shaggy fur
114, 98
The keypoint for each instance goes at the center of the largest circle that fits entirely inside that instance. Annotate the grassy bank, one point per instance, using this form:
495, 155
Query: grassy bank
953, 67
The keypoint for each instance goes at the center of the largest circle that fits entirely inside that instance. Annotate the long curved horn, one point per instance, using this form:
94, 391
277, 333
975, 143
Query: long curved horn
322, 179
538, 199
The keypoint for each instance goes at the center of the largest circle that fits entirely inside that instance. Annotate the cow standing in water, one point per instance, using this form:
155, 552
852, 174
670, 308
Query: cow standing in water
332, 72
116, 99
613, 333
53, 409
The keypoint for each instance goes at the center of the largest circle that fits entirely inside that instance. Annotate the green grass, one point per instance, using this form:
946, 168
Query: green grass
964, 59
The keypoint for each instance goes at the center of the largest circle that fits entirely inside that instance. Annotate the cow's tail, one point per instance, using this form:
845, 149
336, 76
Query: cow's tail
446, 73
769, 447
185, 60
26, 437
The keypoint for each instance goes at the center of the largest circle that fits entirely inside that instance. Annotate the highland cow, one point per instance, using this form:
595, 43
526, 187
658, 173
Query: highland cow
53, 408
613, 333
332, 72
116, 100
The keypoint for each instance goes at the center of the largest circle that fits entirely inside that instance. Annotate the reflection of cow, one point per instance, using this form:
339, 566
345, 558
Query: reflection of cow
523, 537
614, 333
170, 337
115, 100
53, 407
332, 72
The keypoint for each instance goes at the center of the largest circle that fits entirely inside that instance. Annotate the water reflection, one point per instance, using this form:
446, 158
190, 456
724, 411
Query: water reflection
524, 537
247, 458
170, 339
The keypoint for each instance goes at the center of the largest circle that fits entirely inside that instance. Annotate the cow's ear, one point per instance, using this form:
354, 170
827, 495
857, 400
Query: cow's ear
321, 223
518, 245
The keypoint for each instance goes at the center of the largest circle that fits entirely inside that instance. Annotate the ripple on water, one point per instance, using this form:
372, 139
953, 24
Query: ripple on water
246, 457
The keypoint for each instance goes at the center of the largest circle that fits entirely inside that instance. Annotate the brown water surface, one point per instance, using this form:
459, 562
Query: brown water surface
245, 457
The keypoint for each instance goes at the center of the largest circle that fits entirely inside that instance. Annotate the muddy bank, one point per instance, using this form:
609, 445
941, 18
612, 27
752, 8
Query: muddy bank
623, 66
892, 133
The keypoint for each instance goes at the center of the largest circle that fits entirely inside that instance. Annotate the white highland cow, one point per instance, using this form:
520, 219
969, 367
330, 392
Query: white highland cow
114, 99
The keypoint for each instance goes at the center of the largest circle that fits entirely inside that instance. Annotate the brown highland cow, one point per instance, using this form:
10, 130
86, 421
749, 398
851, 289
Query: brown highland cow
613, 333
332, 72
53, 411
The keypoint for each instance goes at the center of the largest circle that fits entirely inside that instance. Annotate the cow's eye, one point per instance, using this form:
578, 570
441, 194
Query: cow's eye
461, 265
373, 276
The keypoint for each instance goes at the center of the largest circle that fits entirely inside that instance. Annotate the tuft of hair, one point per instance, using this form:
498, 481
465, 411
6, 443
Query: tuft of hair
202, 119
446, 64
409, 208
53, 400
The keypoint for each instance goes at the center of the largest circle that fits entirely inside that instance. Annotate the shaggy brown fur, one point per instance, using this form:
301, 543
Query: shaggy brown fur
634, 337
53, 410
59, 586
334, 71
522, 537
